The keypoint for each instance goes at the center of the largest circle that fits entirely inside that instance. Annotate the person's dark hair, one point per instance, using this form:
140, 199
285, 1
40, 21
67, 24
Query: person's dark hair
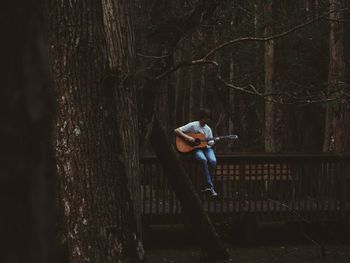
204, 114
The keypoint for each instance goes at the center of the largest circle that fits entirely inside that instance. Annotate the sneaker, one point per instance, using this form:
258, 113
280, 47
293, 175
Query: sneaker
208, 189
213, 193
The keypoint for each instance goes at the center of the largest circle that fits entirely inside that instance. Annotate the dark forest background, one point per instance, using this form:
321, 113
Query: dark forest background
274, 93
88, 86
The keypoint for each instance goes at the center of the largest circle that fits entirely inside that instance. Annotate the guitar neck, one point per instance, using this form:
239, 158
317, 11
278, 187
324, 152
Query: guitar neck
234, 136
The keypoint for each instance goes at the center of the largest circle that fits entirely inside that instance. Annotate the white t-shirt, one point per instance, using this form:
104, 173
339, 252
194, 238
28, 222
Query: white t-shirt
195, 127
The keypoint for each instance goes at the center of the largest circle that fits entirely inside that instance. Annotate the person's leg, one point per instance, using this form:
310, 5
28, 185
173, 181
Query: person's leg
199, 155
210, 156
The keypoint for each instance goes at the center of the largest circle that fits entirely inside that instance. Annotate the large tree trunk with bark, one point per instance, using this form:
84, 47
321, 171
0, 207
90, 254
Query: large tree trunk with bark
26, 163
92, 48
118, 21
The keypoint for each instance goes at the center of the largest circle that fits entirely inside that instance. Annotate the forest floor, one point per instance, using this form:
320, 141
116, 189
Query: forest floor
272, 245
301, 253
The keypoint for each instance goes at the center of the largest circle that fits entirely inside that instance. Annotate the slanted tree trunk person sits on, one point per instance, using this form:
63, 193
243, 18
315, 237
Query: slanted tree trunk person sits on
206, 154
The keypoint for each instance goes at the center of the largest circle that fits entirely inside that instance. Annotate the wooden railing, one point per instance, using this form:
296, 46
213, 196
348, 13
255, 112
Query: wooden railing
268, 187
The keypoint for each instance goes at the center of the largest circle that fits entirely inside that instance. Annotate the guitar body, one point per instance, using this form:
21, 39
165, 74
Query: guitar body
183, 146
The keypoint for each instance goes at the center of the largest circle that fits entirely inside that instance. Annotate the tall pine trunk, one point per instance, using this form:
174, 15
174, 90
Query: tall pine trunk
181, 84
92, 46
270, 140
336, 123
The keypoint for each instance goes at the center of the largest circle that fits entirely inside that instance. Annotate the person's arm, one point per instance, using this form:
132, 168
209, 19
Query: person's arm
183, 135
181, 132
211, 142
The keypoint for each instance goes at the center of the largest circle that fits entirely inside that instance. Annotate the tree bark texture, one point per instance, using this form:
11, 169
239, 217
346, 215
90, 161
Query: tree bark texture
181, 85
194, 87
336, 112
270, 143
92, 48
118, 21
26, 109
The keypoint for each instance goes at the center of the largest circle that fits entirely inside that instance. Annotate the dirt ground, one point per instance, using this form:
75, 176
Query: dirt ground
262, 254
278, 245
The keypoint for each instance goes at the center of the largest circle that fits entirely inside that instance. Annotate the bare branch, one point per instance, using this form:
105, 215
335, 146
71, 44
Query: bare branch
338, 20
277, 97
284, 98
290, 209
276, 36
185, 64
204, 60
154, 57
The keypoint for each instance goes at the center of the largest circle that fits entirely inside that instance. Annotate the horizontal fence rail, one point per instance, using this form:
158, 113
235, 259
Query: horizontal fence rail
268, 187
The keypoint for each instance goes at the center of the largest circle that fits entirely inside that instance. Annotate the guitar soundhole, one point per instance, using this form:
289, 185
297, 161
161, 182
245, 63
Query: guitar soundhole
196, 142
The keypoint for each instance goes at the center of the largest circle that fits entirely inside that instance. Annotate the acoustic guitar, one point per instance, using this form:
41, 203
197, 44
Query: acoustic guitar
184, 146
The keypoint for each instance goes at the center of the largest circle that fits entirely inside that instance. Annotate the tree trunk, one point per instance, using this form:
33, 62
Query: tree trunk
202, 101
194, 90
259, 69
180, 87
270, 142
185, 192
336, 112
97, 144
187, 81
307, 5
26, 163
203, 79
231, 97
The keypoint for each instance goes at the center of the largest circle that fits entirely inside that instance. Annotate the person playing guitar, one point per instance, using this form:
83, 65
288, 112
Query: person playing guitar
206, 154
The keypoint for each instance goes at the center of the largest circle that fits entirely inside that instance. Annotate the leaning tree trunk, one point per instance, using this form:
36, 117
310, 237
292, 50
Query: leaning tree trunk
26, 107
96, 132
336, 124
183, 187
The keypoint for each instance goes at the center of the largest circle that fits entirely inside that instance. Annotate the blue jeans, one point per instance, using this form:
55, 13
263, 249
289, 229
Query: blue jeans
207, 158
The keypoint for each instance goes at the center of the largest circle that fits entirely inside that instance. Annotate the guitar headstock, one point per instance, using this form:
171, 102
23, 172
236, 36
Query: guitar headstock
232, 137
